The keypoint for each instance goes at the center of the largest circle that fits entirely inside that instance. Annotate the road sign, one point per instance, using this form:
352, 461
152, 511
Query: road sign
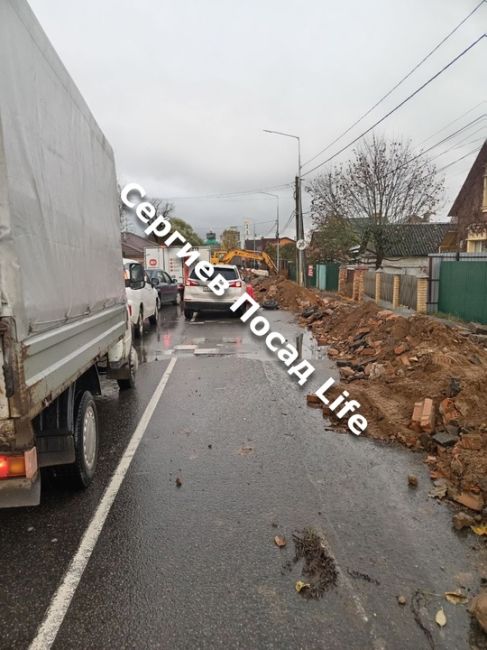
301, 245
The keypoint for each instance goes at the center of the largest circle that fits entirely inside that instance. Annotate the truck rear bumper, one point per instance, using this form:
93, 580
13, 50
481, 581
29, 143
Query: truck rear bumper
20, 492
200, 305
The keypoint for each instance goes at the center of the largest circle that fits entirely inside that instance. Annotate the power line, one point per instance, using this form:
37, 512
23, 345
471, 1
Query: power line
459, 159
404, 101
453, 121
399, 83
222, 195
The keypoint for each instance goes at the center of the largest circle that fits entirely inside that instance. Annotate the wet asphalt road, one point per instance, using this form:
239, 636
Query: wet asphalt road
196, 566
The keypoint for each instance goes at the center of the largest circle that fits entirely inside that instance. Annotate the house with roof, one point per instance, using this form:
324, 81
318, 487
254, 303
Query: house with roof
468, 213
407, 246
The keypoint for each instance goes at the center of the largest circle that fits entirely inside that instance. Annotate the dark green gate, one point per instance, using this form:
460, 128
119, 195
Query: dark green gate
327, 276
463, 290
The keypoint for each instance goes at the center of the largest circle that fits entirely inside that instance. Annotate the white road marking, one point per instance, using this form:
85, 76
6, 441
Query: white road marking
47, 632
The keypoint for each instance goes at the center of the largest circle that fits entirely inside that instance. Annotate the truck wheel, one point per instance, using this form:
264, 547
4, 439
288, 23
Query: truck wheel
139, 326
188, 314
82, 471
129, 382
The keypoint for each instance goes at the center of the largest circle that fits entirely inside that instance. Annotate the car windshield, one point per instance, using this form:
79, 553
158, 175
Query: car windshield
228, 273
152, 272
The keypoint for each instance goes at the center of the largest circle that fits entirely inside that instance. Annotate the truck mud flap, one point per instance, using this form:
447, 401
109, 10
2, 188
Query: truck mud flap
20, 492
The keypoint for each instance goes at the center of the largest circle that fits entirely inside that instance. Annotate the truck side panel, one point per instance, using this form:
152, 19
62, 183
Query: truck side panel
59, 223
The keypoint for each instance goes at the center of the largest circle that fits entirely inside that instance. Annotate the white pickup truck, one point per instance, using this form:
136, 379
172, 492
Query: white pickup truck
63, 308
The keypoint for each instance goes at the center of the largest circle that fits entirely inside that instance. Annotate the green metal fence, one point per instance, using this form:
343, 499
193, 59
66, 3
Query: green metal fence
326, 276
463, 290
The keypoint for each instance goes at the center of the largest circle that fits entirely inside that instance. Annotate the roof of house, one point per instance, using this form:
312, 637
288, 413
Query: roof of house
414, 239
475, 174
134, 245
406, 239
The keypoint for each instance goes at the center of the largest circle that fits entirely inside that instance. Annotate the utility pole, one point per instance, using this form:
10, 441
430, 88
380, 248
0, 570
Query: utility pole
299, 232
278, 243
299, 209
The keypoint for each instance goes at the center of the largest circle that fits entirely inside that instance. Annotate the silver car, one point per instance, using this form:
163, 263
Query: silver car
199, 297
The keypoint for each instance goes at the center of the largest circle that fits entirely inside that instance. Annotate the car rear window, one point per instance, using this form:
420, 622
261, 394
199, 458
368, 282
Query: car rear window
228, 274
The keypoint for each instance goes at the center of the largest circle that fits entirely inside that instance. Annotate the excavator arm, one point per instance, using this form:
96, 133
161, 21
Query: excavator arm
249, 255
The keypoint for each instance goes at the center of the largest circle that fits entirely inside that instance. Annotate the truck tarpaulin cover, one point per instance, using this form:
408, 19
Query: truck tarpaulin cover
60, 249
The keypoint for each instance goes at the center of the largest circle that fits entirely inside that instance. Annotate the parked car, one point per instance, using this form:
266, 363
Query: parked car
142, 298
166, 287
199, 297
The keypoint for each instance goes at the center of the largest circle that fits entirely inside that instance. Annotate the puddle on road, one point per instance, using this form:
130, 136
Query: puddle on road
174, 337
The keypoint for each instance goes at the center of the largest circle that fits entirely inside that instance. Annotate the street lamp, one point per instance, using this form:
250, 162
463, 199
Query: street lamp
276, 196
299, 208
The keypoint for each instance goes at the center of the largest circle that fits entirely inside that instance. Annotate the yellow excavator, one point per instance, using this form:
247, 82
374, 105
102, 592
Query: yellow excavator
226, 257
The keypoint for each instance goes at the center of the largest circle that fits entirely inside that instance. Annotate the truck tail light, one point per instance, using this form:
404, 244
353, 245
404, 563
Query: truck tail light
191, 283
12, 466
18, 466
235, 283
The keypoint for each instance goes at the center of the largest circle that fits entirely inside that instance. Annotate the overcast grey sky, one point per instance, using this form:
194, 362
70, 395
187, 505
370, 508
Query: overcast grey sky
183, 89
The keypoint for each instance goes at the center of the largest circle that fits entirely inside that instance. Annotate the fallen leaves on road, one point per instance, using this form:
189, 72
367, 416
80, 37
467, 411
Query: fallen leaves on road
440, 617
280, 540
480, 530
245, 451
319, 567
300, 585
438, 492
455, 597
178, 482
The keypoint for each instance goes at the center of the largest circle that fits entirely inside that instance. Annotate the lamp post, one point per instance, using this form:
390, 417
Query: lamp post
276, 196
299, 208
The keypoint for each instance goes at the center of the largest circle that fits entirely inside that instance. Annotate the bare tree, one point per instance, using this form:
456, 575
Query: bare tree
384, 184
162, 207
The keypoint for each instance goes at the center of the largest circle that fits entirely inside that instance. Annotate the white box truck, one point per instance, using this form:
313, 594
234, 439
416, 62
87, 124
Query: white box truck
166, 259
63, 311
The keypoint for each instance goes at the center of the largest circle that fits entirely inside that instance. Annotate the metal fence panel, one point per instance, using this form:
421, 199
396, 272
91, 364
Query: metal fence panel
332, 276
463, 290
436, 260
369, 283
386, 288
408, 291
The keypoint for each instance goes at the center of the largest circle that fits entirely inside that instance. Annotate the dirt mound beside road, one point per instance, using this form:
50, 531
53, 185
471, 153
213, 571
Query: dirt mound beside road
288, 294
398, 366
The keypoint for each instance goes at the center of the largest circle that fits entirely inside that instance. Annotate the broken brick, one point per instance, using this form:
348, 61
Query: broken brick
449, 412
471, 441
400, 349
427, 422
416, 417
470, 500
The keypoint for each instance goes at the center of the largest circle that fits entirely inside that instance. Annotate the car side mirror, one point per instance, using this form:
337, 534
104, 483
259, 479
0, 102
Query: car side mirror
174, 280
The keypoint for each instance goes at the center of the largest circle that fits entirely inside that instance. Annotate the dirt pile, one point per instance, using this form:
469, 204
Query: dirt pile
419, 382
288, 294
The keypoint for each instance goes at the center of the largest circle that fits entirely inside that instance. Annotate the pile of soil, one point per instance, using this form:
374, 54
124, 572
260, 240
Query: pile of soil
288, 294
389, 362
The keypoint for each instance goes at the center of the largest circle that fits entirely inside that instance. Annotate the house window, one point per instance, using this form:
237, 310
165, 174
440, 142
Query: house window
478, 246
